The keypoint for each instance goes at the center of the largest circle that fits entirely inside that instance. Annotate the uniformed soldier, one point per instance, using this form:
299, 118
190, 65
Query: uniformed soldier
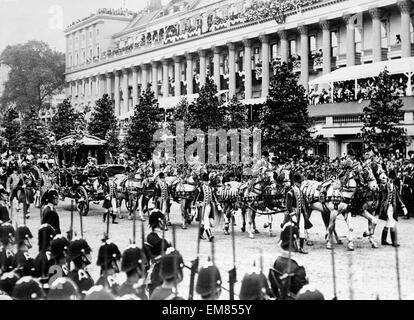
254, 286
59, 249
49, 215
28, 288
171, 272
63, 289
7, 282
111, 199
162, 196
7, 237
12, 183
44, 260
309, 292
108, 258
133, 264
209, 282
4, 211
79, 253
24, 263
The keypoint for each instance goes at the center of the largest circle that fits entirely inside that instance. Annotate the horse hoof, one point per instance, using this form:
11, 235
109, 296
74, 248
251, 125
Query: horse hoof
251, 236
243, 229
339, 241
309, 243
226, 232
365, 234
256, 231
374, 245
266, 225
351, 246
329, 246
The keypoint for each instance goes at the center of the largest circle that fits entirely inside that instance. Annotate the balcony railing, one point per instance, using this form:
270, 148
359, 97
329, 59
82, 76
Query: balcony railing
394, 51
367, 55
341, 59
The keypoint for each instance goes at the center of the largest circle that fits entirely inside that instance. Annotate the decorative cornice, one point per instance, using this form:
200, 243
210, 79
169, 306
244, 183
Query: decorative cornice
405, 6
303, 29
325, 24
282, 34
231, 46
264, 38
247, 42
216, 49
375, 13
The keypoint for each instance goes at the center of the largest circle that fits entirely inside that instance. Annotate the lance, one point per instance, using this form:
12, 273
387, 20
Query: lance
397, 267
107, 219
81, 222
350, 276
134, 223
175, 262
286, 289
143, 255
195, 263
232, 272
333, 269
11, 209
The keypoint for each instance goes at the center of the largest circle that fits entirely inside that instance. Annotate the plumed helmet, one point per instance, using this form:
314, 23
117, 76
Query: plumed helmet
289, 233
99, 293
23, 233
309, 292
63, 289
8, 281
161, 175
156, 217
254, 285
209, 279
59, 246
172, 264
108, 252
49, 196
77, 248
27, 288
132, 258
45, 236
297, 178
7, 233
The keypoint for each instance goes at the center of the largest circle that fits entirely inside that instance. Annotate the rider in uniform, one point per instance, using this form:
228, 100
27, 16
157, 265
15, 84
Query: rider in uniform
4, 212
108, 258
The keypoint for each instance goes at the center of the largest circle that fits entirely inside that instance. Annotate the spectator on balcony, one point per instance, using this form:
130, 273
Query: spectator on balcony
398, 39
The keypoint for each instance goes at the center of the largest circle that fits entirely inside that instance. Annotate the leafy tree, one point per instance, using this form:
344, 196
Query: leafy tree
235, 115
33, 133
36, 74
104, 124
65, 121
144, 123
381, 117
11, 129
285, 120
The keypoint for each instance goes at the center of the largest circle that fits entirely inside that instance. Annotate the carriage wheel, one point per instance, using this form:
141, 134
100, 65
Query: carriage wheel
83, 206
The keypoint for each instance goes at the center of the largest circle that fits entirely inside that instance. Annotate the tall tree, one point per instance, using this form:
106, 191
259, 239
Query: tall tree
104, 124
65, 121
235, 115
11, 129
33, 133
36, 74
144, 123
382, 116
285, 120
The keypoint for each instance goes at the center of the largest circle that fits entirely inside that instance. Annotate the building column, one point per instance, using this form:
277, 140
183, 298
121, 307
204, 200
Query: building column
134, 86
326, 46
154, 74
265, 65
165, 80
125, 91
177, 76
248, 68
232, 69
304, 52
405, 7
203, 67
350, 40
216, 65
117, 95
376, 34
189, 59
94, 80
334, 148
109, 84
284, 45
144, 77
101, 87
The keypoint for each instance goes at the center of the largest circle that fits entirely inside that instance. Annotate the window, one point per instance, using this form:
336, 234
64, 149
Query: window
256, 54
334, 43
292, 47
358, 40
90, 52
312, 44
240, 60
70, 61
384, 33
97, 51
83, 56
97, 32
77, 59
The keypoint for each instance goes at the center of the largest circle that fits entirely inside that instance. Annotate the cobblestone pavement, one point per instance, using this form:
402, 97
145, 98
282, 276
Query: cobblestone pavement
373, 271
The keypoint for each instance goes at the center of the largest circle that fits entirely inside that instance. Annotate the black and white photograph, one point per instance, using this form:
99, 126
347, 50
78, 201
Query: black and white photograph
199, 150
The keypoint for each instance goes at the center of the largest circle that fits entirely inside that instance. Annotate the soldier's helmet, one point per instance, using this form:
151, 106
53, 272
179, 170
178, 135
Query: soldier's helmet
7, 233
156, 218
297, 178
309, 292
108, 253
288, 236
208, 281
79, 248
205, 177
99, 293
49, 196
132, 258
46, 234
8, 281
59, 247
63, 289
254, 285
171, 265
28, 288
23, 234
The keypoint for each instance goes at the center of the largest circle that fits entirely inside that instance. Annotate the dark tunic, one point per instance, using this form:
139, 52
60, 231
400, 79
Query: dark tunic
388, 198
7, 260
25, 264
50, 216
109, 282
299, 279
4, 214
128, 288
83, 280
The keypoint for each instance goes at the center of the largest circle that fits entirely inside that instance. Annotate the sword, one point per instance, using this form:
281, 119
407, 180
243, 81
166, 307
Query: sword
397, 267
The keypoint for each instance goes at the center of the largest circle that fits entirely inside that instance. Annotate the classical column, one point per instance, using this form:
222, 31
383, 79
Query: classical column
350, 40
232, 69
284, 46
189, 59
334, 148
117, 96
134, 86
304, 60
144, 77
125, 91
109, 84
248, 68
265, 65
376, 34
101, 87
405, 7
177, 76
203, 67
165, 82
326, 46
154, 66
216, 63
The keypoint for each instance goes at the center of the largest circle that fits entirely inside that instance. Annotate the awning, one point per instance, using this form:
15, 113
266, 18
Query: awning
369, 70
86, 140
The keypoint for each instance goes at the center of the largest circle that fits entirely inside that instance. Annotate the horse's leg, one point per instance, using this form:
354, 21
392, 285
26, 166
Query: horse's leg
349, 223
372, 223
250, 214
183, 206
331, 227
227, 218
243, 212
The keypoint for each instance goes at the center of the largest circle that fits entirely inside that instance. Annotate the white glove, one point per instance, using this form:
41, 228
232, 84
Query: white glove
405, 211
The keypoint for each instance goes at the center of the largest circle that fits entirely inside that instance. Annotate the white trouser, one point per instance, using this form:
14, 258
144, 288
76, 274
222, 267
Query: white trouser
390, 215
206, 214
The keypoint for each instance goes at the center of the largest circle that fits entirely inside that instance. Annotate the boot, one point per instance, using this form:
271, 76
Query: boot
384, 237
210, 235
113, 219
394, 237
104, 216
202, 233
226, 229
301, 244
